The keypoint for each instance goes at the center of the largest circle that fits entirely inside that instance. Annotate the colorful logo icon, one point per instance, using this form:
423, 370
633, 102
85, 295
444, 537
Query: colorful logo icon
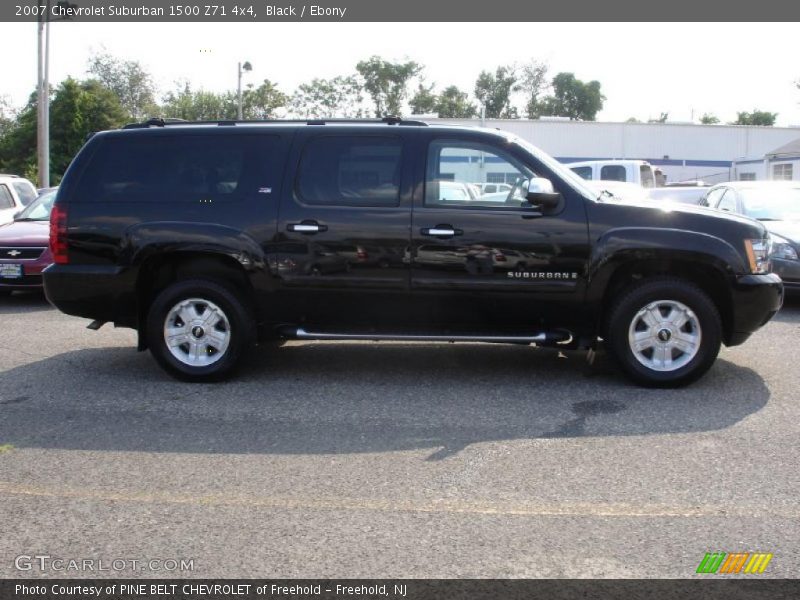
723, 563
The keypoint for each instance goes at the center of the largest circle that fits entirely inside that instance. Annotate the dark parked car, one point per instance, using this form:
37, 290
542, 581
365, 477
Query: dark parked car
179, 230
777, 205
24, 251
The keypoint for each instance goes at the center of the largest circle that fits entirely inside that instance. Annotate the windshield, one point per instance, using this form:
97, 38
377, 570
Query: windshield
568, 174
39, 210
782, 204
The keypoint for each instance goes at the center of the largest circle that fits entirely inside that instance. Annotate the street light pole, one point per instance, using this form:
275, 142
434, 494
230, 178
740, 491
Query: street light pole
241, 67
239, 111
43, 92
43, 99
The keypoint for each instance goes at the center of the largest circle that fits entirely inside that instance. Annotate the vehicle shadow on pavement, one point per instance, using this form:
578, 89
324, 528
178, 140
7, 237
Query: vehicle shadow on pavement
323, 398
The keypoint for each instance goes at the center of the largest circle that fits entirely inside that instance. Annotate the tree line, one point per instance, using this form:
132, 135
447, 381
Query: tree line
116, 91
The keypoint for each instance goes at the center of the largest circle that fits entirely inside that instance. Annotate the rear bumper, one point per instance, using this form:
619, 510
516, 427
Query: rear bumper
756, 299
28, 282
91, 291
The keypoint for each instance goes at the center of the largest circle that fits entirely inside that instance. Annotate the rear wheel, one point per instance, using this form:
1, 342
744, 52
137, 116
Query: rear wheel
197, 330
664, 332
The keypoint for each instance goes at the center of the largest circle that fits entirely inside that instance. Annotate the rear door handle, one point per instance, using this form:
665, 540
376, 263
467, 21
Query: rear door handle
308, 227
441, 231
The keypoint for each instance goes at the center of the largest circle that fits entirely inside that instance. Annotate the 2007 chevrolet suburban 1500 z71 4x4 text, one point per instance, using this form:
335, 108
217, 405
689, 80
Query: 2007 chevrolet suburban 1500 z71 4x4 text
211, 237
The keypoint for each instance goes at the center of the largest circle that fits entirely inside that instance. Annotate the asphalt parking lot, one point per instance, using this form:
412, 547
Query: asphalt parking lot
392, 460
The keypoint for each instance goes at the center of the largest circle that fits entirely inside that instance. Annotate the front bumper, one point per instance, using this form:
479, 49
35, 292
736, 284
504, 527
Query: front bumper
755, 300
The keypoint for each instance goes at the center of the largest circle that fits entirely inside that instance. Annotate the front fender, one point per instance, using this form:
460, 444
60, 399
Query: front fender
621, 246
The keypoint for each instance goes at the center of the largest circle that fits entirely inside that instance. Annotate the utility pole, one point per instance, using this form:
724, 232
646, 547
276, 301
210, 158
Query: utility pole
43, 99
241, 67
43, 91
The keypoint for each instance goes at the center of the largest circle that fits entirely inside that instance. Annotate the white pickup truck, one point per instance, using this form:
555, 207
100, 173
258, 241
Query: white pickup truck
632, 171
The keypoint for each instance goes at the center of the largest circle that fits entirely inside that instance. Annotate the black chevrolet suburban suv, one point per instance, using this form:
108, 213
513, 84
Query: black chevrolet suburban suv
210, 238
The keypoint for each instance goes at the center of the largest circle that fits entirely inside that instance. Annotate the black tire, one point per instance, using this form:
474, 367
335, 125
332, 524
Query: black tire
239, 327
704, 318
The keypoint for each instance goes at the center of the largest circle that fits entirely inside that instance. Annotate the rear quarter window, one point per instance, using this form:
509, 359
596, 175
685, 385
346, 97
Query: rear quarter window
188, 168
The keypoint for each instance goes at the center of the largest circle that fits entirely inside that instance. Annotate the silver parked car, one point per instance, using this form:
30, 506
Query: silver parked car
777, 205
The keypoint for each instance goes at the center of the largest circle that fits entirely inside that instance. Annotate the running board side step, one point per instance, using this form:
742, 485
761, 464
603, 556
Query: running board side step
552, 337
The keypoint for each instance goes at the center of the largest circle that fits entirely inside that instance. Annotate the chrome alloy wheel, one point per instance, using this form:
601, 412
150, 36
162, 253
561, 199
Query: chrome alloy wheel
197, 332
664, 335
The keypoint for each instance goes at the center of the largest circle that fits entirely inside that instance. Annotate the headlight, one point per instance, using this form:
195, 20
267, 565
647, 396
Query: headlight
782, 248
758, 255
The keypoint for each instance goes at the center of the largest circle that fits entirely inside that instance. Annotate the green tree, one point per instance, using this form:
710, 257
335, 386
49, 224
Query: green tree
78, 108
129, 81
18, 142
533, 83
662, 118
198, 105
7, 114
757, 117
340, 97
387, 83
709, 119
573, 98
493, 91
261, 102
424, 100
452, 103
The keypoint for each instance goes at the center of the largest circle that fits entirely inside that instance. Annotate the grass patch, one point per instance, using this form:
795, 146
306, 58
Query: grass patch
6, 448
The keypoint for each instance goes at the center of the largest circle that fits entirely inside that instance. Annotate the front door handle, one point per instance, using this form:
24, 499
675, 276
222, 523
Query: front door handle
307, 227
441, 231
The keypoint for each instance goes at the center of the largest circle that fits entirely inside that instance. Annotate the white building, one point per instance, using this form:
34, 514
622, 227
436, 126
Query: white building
682, 151
781, 163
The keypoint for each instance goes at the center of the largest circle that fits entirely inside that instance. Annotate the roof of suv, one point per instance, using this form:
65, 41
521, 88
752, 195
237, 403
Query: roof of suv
223, 122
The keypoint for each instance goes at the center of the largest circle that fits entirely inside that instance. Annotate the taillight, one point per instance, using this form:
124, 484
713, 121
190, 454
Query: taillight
500, 257
361, 254
58, 234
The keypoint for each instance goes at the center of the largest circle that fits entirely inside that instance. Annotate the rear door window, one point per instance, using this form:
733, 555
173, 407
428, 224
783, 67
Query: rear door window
613, 173
350, 171
191, 168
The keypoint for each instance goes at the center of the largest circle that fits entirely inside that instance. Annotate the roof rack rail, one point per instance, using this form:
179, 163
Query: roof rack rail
156, 122
159, 122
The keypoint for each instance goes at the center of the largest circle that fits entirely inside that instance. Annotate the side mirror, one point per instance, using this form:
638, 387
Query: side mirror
16, 215
541, 193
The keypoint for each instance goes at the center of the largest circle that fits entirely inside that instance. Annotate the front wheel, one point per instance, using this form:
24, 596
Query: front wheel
664, 332
197, 330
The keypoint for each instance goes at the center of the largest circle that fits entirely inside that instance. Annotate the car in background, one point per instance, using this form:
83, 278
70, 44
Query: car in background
494, 188
15, 194
24, 250
639, 172
777, 205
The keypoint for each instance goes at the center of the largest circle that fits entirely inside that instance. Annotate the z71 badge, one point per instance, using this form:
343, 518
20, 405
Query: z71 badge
539, 275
